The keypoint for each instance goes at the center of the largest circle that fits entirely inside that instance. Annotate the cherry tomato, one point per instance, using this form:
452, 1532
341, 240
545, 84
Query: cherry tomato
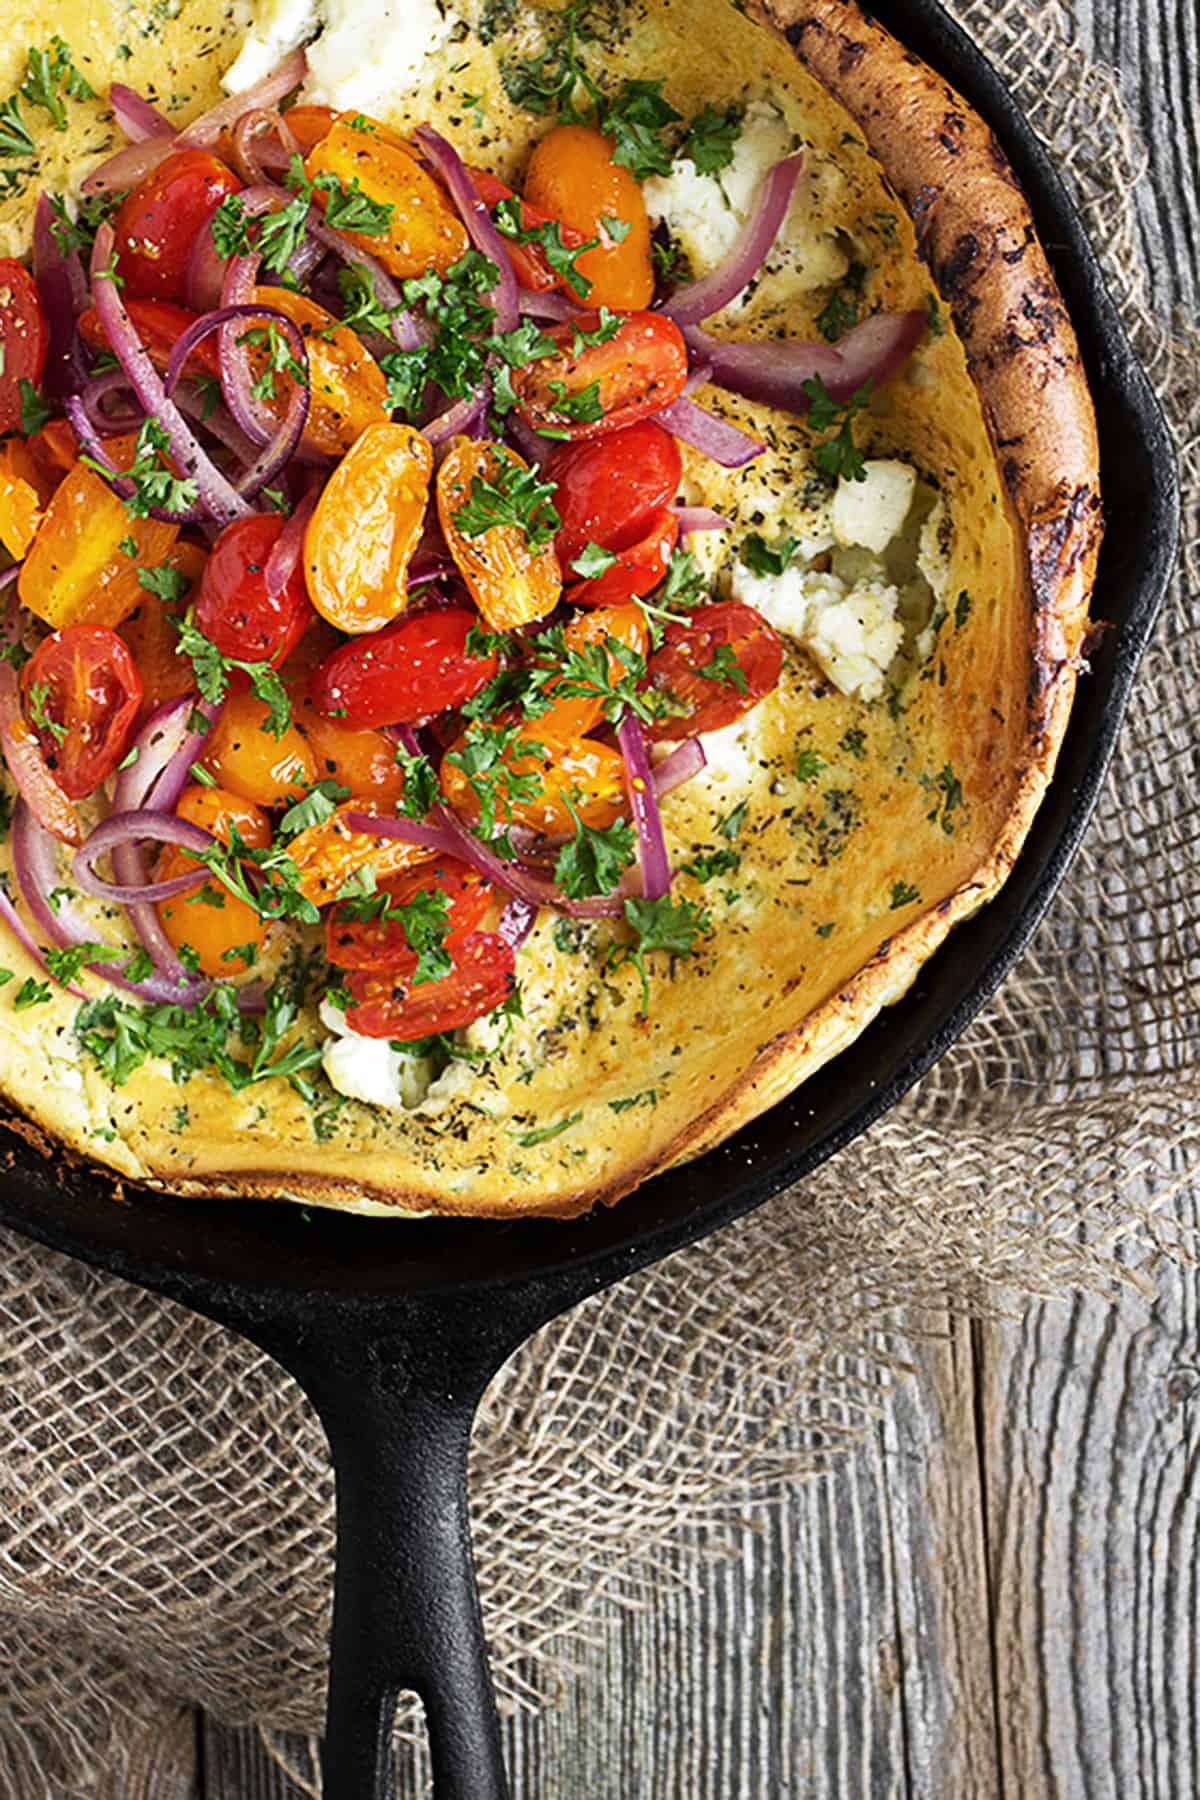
309, 124
82, 695
55, 448
572, 177
713, 700
156, 224
152, 639
24, 491
423, 231
327, 855
366, 525
528, 260
636, 373
589, 774
404, 675
382, 944
24, 339
347, 390
158, 323
250, 761
226, 934
637, 570
572, 715
362, 760
234, 608
481, 979
510, 582
609, 489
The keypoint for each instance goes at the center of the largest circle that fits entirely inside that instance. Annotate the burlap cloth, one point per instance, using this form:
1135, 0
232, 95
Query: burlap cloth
165, 1504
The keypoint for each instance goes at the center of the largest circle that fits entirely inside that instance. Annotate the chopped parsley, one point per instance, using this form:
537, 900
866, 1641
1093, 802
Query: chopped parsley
31, 993
671, 926
762, 558
230, 228
592, 561
170, 585
317, 805
49, 74
808, 765
279, 359
156, 487
39, 715
34, 411
711, 863
725, 668
543, 1133
711, 137
949, 794
14, 133
212, 671
561, 257
903, 894
496, 761
840, 312
838, 457
361, 309
595, 859
512, 495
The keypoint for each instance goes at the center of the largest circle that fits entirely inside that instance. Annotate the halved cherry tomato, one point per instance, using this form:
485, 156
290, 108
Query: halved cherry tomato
156, 224
82, 695
250, 761
572, 715
23, 338
347, 390
327, 855
309, 124
572, 177
226, 934
158, 323
422, 230
356, 758
234, 608
482, 978
528, 260
510, 582
152, 639
24, 492
637, 570
609, 489
613, 384
366, 525
718, 697
589, 774
382, 944
404, 675
55, 448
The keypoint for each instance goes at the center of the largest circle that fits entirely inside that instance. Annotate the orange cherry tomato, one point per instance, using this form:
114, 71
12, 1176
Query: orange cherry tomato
365, 527
347, 390
607, 386
226, 934
250, 761
327, 855
589, 774
356, 758
82, 695
528, 260
572, 177
153, 640
688, 666
24, 338
24, 491
608, 490
573, 715
482, 977
156, 223
423, 231
382, 944
509, 580
158, 323
55, 449
637, 570
309, 124
76, 572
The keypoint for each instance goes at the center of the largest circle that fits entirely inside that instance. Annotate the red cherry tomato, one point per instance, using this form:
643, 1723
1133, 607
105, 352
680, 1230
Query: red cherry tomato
637, 570
610, 488
234, 608
386, 1006
403, 675
158, 323
156, 224
606, 386
23, 338
720, 696
382, 945
82, 695
528, 260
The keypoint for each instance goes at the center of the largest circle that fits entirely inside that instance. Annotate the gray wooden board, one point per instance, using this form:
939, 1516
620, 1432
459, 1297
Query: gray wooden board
996, 1594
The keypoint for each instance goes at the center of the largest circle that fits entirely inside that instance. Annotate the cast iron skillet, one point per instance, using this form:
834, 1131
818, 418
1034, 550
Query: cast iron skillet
394, 1329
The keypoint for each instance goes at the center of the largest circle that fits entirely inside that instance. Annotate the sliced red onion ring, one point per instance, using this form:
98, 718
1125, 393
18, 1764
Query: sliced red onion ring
517, 921
129, 165
196, 403
749, 251
219, 498
289, 430
285, 552
265, 123
18, 746
465, 417
702, 518
62, 288
533, 446
109, 419
679, 765
136, 828
725, 443
639, 784
265, 93
404, 327
774, 370
481, 227
25, 937
550, 305
92, 441
205, 278
135, 115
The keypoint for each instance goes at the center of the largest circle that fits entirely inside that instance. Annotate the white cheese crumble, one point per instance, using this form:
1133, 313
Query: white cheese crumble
280, 26
369, 1069
367, 52
872, 512
852, 632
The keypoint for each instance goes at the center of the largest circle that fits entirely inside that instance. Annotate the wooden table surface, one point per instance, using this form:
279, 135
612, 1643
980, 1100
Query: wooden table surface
996, 1594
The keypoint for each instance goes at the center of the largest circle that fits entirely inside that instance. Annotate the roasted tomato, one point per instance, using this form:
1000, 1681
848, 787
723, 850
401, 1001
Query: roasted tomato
637, 570
607, 386
24, 491
572, 177
529, 262
23, 339
420, 229
82, 695
347, 390
573, 714
158, 323
157, 222
481, 978
719, 664
309, 124
608, 490
554, 770
383, 943
366, 525
249, 760
327, 855
511, 570
356, 758
236, 610
226, 935
402, 676
152, 638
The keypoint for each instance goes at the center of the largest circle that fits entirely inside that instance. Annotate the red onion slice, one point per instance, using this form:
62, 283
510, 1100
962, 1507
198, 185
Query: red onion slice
265, 123
166, 747
702, 518
106, 420
551, 305
135, 115
129, 165
516, 922
265, 93
285, 552
135, 828
726, 444
481, 227
25, 937
686, 760
774, 370
405, 329
288, 431
466, 417
639, 784
749, 251
62, 288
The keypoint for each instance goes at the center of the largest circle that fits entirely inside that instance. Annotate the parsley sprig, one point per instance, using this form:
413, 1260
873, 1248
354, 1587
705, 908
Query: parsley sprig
510, 495
838, 457
212, 670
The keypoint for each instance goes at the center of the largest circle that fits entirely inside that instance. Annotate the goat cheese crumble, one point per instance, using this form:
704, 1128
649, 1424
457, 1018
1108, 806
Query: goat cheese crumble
365, 54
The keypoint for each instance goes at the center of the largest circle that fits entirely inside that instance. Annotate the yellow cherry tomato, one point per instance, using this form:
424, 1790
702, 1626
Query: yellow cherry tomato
573, 178
347, 390
590, 775
24, 491
509, 580
365, 527
328, 854
422, 230
153, 641
250, 761
226, 934
573, 715
359, 759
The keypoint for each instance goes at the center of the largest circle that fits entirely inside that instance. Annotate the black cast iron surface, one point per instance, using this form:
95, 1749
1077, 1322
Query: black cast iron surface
394, 1329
